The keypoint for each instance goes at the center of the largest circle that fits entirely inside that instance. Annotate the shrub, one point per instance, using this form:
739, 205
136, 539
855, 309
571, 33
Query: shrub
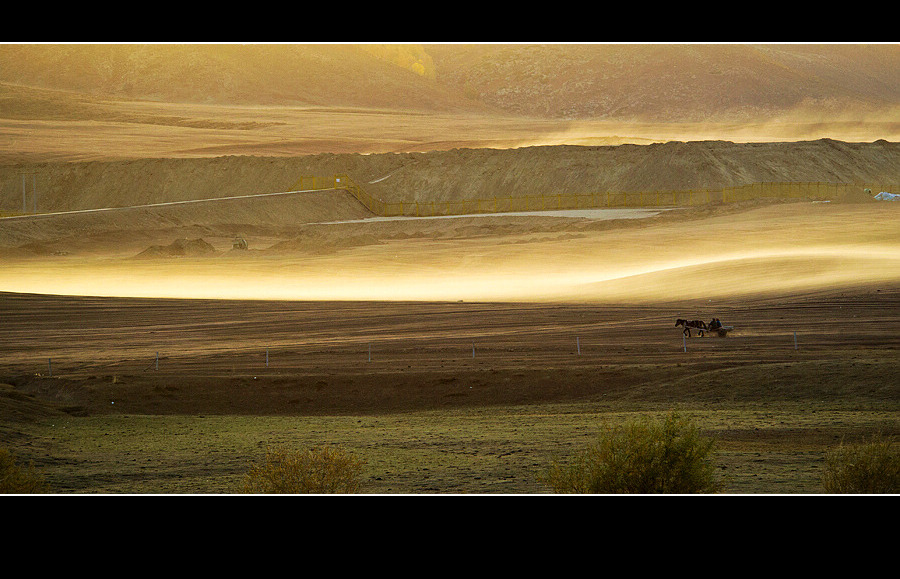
641, 457
867, 468
319, 470
16, 480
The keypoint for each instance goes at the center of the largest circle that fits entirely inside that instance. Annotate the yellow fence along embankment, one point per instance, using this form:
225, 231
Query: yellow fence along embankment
598, 200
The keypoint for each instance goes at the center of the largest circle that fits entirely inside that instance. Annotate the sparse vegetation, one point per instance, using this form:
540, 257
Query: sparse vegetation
319, 470
642, 457
867, 468
764, 448
15, 479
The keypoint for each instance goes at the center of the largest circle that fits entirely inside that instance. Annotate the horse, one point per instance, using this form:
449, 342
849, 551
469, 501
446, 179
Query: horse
688, 324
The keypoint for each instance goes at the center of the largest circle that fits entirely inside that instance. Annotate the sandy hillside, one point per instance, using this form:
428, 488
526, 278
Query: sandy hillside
662, 82
456, 174
101, 102
129, 227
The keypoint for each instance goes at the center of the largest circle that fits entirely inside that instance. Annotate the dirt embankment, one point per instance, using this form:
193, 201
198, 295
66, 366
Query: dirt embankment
456, 174
143, 226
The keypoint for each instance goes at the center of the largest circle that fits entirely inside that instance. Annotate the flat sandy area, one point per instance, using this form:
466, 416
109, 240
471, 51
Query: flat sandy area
599, 214
726, 251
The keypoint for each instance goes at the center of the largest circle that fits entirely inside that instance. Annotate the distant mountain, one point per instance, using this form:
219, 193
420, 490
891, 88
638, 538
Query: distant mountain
252, 74
664, 82
667, 82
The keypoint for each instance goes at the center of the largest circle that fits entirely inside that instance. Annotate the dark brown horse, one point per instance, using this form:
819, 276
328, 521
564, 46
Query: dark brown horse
688, 324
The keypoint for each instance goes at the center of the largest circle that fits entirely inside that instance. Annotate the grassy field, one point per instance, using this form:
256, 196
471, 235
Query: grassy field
775, 448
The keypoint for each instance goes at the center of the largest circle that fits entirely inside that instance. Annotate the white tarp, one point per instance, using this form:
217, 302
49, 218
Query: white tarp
883, 196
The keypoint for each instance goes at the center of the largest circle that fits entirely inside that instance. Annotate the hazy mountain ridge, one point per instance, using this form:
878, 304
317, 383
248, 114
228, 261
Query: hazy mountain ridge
663, 82
291, 75
673, 82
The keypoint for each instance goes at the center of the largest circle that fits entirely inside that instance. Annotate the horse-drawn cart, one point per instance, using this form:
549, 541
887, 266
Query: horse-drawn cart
703, 328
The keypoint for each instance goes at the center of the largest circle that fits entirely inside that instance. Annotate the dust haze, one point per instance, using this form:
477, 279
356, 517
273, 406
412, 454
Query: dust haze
128, 136
769, 250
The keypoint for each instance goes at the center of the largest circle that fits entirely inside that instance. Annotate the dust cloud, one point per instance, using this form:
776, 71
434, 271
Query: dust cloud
799, 124
783, 248
719, 276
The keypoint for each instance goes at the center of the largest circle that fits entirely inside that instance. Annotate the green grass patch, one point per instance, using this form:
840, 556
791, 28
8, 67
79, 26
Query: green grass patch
775, 449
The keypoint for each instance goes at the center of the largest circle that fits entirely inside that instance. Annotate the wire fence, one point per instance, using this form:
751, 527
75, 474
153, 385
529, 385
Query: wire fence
403, 354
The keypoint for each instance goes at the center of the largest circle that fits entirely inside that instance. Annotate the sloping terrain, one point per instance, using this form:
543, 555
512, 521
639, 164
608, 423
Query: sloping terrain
456, 174
673, 166
110, 102
118, 230
674, 82
246, 74
668, 82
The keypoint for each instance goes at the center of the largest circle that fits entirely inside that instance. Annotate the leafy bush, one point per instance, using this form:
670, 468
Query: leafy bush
16, 480
319, 470
641, 457
867, 468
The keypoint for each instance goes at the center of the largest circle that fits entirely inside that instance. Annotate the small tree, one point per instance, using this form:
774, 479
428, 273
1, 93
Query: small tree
16, 480
867, 468
319, 470
641, 457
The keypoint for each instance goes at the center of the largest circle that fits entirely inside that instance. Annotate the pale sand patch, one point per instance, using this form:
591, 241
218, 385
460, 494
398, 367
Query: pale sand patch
599, 214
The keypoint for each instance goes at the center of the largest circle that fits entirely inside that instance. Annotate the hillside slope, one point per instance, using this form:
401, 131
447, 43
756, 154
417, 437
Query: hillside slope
672, 82
456, 174
292, 75
665, 82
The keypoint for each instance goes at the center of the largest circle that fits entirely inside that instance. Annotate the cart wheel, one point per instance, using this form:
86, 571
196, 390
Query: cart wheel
723, 333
